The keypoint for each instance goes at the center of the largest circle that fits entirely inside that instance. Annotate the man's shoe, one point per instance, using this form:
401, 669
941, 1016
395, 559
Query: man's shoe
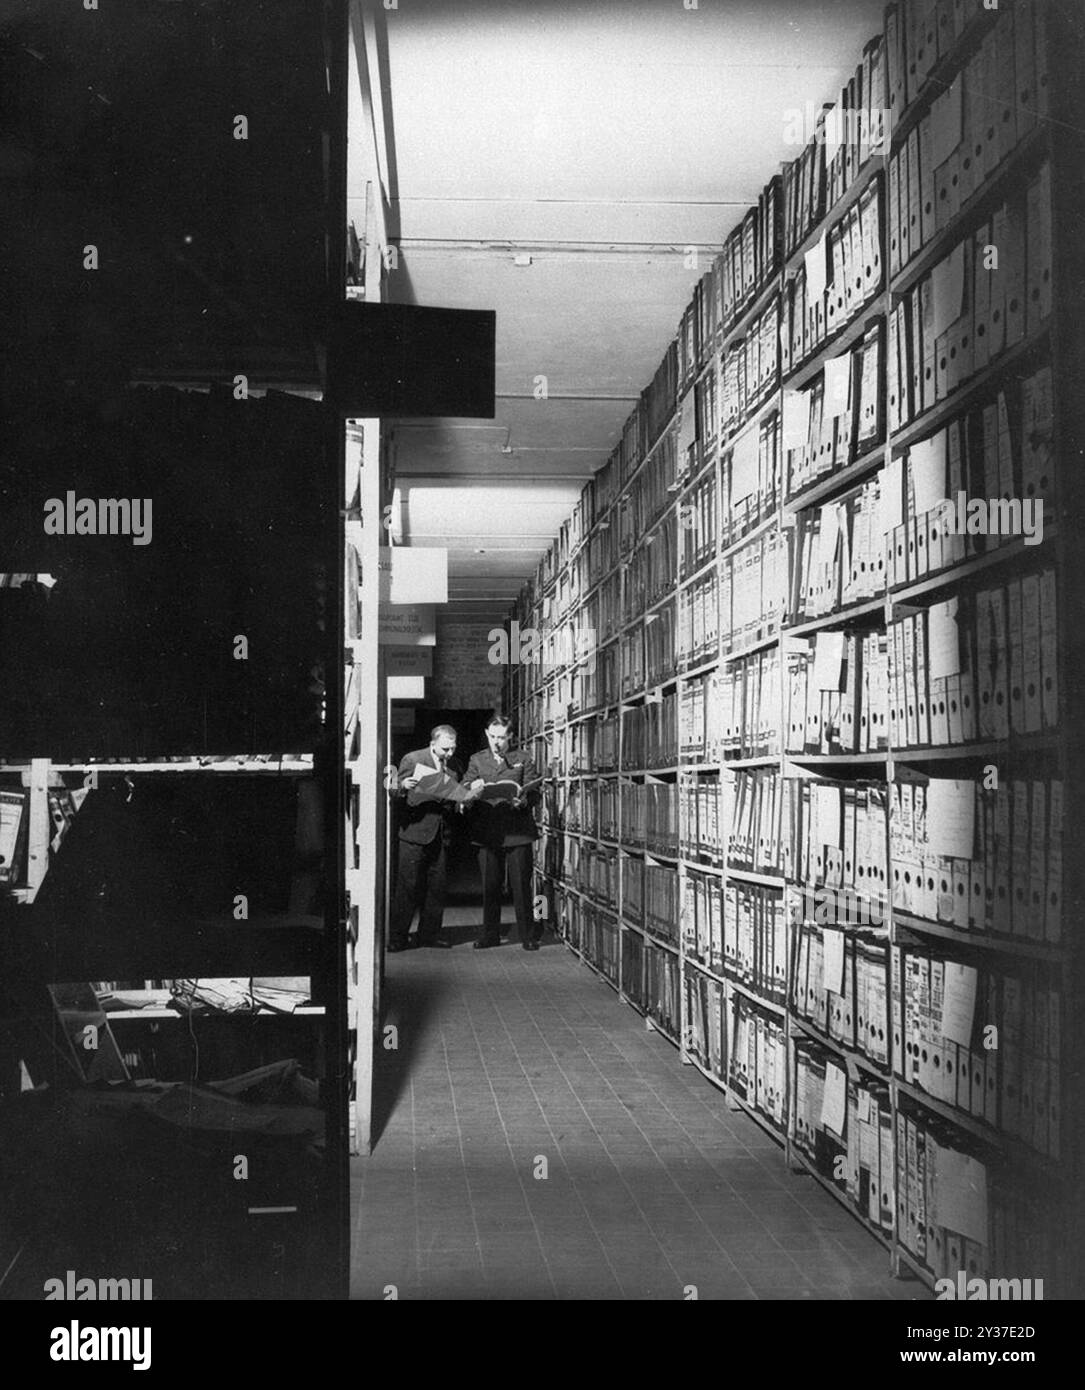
394, 946
483, 945
530, 945
441, 942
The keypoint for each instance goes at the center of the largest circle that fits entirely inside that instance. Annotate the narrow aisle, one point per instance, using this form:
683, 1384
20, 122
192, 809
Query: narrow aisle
506, 1058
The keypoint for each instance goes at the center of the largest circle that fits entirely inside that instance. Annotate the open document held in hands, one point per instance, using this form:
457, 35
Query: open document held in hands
506, 789
433, 785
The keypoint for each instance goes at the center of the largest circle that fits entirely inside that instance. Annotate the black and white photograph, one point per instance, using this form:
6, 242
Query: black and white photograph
539, 640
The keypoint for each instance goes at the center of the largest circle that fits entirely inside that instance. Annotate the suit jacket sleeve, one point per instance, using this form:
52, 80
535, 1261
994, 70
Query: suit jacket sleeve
407, 765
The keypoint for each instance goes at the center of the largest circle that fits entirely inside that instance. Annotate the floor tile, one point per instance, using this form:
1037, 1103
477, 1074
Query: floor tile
653, 1187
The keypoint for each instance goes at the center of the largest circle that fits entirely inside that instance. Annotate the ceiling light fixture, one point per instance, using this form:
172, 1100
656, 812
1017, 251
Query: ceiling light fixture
522, 258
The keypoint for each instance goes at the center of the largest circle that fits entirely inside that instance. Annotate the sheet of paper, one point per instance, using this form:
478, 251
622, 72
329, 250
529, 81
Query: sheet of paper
959, 1003
927, 461
828, 660
951, 817
943, 643
827, 808
947, 291
744, 465
834, 867
946, 123
817, 275
11, 816
687, 428
892, 495
828, 535
796, 418
834, 1100
832, 943
862, 1107
959, 1195
832, 131
837, 385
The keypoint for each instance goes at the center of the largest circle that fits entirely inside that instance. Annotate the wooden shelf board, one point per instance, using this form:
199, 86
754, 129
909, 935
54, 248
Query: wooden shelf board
756, 307
842, 617
840, 341
838, 759
976, 210
752, 648
980, 940
748, 992
961, 400
761, 880
941, 75
830, 485
954, 576
754, 533
752, 417
874, 166
855, 1059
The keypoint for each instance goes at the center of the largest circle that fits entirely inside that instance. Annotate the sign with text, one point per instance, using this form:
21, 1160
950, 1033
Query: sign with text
408, 661
463, 675
402, 626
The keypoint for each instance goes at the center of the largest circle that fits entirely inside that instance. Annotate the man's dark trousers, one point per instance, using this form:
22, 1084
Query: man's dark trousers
421, 879
492, 865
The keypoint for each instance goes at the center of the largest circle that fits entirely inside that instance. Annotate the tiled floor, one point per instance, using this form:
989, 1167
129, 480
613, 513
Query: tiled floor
539, 1143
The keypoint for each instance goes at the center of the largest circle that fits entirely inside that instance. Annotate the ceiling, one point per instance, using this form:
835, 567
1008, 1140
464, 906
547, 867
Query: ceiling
613, 143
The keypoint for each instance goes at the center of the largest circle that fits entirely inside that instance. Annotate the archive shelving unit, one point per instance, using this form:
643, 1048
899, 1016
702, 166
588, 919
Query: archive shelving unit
682, 569
188, 347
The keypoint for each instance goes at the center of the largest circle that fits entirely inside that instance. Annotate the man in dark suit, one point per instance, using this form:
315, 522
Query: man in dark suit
424, 833
505, 832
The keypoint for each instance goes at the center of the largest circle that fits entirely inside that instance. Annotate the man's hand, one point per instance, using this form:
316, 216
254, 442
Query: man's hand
412, 780
517, 803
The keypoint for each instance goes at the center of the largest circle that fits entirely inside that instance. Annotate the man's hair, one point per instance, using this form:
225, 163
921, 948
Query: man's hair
439, 730
499, 717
